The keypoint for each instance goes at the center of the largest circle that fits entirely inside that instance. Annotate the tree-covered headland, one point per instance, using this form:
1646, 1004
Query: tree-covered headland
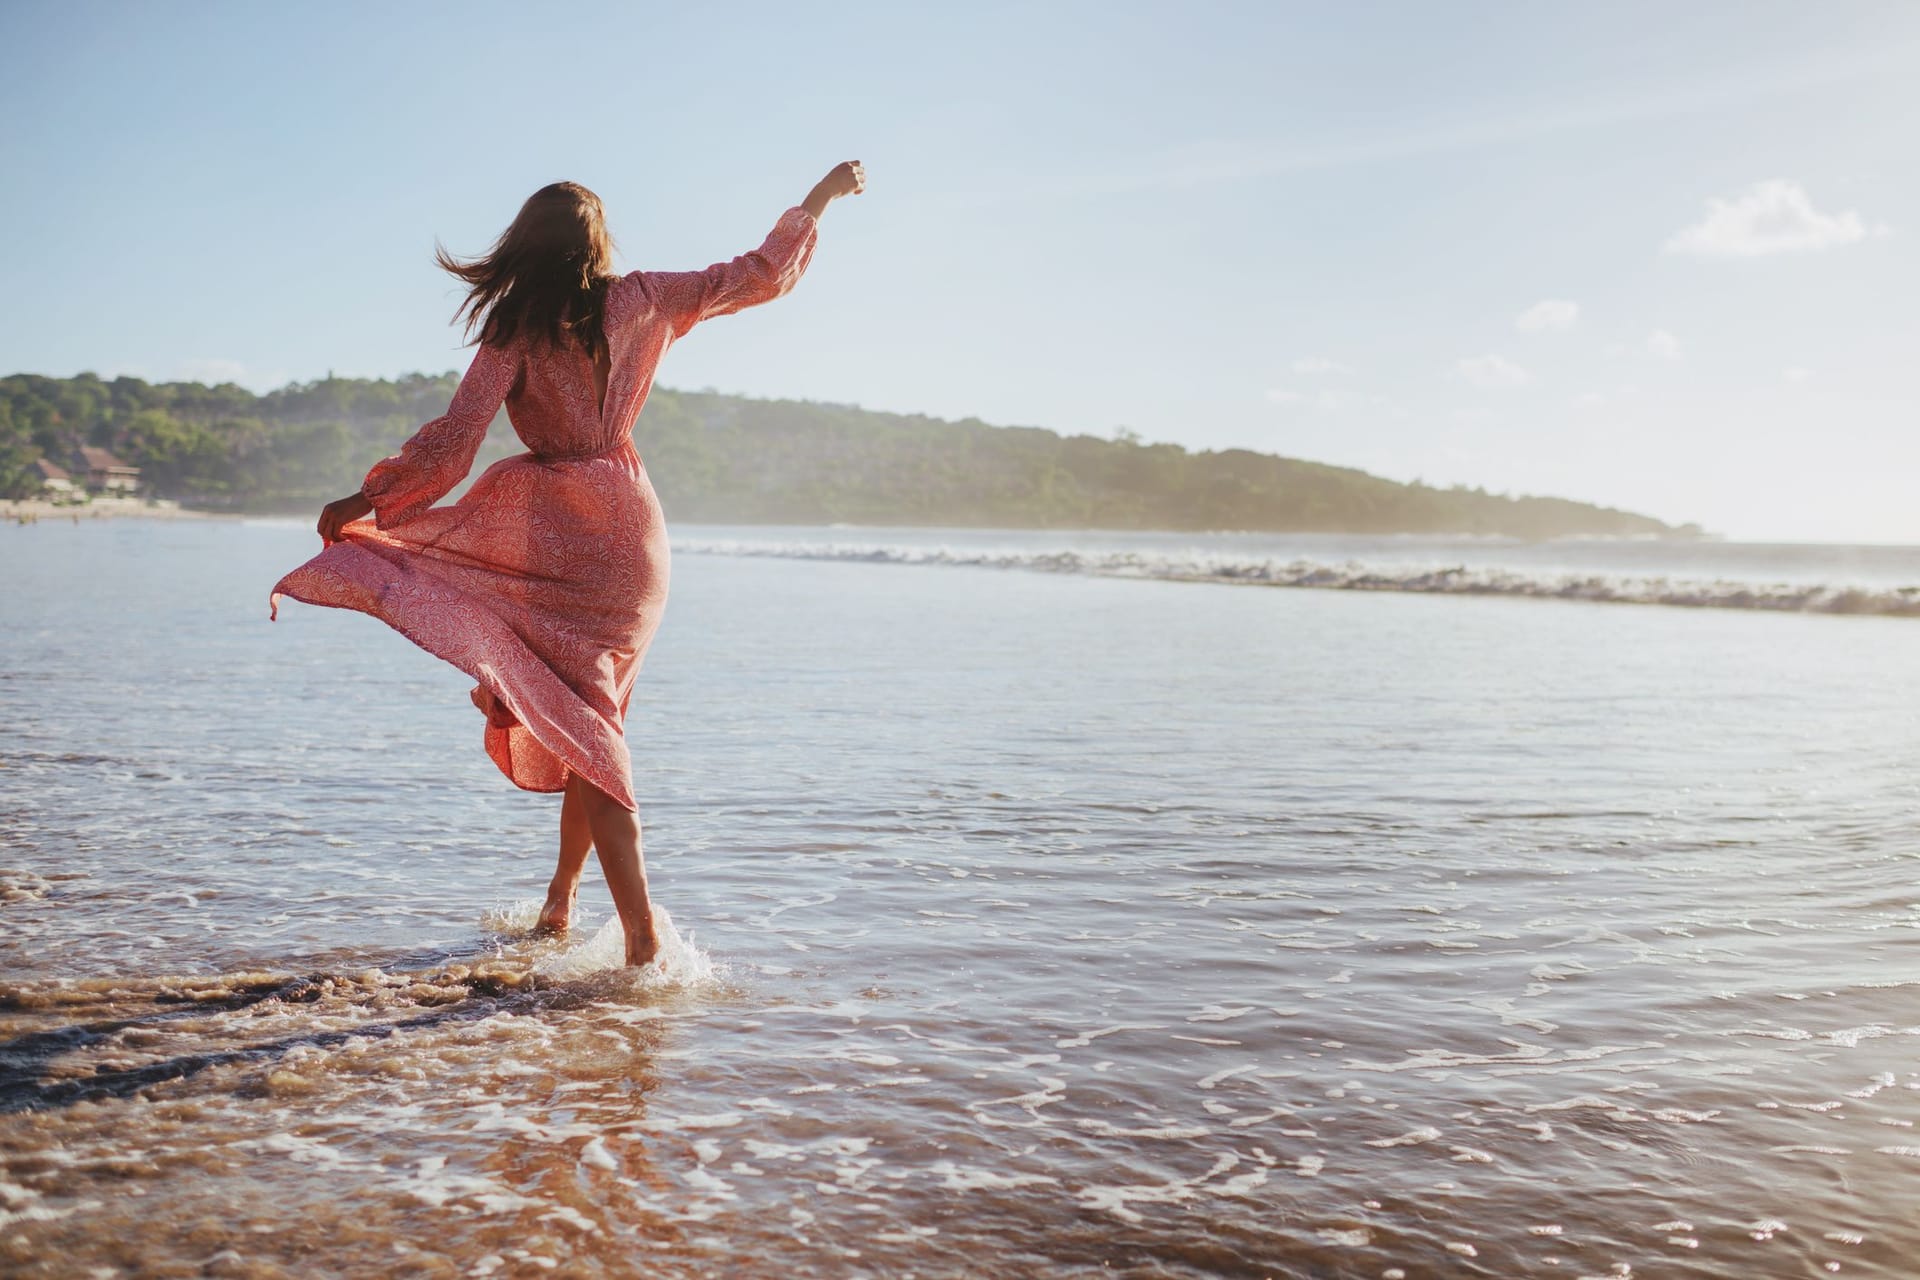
726, 458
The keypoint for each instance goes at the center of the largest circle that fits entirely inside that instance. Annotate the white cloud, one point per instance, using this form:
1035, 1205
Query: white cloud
1552, 315
1769, 217
1491, 371
1309, 366
1280, 395
1797, 375
1662, 345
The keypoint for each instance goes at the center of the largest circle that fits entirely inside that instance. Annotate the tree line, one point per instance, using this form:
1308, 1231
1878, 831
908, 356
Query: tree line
724, 458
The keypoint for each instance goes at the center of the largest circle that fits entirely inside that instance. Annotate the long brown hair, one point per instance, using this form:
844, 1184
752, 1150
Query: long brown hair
548, 272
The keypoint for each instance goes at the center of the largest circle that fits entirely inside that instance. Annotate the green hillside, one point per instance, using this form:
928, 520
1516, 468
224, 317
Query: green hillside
730, 458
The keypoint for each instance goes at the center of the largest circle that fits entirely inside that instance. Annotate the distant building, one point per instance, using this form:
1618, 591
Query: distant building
106, 473
54, 482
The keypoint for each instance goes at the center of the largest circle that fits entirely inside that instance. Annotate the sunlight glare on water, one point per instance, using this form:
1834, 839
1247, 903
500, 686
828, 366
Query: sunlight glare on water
1084, 924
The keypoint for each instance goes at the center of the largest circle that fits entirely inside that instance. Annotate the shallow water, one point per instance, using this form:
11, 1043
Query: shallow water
1032, 924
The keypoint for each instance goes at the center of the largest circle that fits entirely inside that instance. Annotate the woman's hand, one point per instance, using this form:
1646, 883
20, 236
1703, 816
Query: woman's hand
848, 178
339, 512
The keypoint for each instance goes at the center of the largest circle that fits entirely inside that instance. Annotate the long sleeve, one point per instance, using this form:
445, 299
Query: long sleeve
441, 453
688, 297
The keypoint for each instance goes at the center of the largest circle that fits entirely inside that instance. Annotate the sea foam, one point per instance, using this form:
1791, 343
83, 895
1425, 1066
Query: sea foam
1439, 579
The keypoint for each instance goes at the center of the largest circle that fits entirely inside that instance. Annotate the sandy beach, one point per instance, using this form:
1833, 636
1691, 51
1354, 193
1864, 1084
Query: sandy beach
27, 510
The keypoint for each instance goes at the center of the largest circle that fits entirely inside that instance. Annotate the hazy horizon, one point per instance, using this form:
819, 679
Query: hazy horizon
1648, 259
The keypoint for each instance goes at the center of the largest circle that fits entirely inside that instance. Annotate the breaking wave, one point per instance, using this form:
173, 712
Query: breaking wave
1457, 579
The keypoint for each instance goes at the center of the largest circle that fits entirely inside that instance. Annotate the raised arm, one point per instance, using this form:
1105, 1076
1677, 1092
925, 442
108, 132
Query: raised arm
438, 456
766, 273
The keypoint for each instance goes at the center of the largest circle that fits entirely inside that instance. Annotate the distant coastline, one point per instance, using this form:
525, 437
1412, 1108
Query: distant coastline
724, 459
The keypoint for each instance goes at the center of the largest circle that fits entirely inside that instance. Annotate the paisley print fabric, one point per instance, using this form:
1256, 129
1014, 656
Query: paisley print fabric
547, 580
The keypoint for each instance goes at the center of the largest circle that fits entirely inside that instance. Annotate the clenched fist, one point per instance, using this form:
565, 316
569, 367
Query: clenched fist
848, 178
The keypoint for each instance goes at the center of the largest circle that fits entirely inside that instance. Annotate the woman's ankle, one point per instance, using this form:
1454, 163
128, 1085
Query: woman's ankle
642, 948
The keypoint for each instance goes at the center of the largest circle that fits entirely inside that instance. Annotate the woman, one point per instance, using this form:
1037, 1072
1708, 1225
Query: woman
547, 580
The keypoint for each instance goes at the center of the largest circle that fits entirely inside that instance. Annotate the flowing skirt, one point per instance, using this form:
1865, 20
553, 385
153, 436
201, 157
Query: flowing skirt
545, 582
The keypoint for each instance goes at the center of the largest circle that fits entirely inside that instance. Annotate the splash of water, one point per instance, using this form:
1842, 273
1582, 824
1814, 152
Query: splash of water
681, 963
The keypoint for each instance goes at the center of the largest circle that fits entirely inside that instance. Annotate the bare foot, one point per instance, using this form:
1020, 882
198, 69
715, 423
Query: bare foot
642, 947
557, 915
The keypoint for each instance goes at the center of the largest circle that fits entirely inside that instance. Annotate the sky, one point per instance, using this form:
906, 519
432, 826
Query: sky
1656, 256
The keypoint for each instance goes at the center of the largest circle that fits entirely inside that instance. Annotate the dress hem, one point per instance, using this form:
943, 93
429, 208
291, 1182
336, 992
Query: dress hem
622, 795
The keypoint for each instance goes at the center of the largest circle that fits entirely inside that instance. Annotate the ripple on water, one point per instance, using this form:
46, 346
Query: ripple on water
1079, 925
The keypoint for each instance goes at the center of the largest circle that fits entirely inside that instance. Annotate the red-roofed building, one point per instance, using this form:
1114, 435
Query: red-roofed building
55, 483
106, 473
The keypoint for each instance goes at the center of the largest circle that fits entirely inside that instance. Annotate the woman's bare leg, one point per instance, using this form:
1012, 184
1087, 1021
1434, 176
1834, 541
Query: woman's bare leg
616, 838
576, 842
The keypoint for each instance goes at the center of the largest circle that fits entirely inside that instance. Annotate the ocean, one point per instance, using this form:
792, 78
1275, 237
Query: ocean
1043, 904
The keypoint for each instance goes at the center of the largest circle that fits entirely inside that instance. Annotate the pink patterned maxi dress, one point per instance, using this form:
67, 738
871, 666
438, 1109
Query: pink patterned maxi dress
546, 581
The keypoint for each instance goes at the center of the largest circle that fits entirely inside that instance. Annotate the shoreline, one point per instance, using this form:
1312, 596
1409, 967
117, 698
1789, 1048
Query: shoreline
30, 510
33, 510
